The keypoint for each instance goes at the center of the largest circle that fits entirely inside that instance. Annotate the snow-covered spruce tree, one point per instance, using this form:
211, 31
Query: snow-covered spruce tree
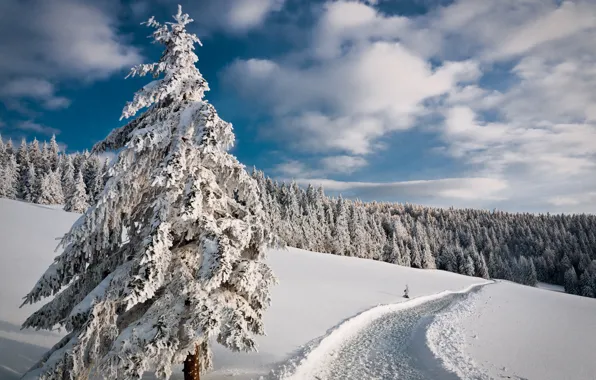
68, 175
171, 256
50, 189
53, 153
45, 164
31, 187
9, 178
91, 172
8, 148
23, 165
77, 199
3, 155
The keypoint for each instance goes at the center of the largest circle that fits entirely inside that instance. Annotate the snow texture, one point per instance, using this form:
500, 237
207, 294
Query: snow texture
529, 333
532, 333
518, 332
446, 340
317, 362
315, 293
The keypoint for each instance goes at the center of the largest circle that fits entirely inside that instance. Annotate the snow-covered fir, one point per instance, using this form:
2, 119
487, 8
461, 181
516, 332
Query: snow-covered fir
77, 198
170, 258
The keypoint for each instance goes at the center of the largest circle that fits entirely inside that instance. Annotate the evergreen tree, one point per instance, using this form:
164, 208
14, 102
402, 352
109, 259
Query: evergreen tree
35, 154
77, 199
53, 151
68, 175
45, 163
2, 152
9, 179
415, 256
191, 269
23, 165
341, 234
50, 192
32, 187
9, 148
571, 285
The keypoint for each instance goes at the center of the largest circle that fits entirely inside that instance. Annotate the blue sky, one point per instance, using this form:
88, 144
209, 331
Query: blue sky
470, 103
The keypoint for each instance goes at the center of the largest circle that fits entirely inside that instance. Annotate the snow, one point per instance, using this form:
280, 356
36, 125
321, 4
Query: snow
316, 292
553, 287
28, 236
504, 329
515, 331
315, 361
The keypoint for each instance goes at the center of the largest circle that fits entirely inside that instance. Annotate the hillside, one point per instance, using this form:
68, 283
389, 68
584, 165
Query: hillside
520, 247
316, 292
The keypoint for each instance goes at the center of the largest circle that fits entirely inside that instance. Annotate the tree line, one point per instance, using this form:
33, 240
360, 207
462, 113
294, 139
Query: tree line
521, 247
44, 175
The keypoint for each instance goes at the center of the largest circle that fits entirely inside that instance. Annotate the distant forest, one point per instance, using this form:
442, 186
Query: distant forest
521, 247
40, 173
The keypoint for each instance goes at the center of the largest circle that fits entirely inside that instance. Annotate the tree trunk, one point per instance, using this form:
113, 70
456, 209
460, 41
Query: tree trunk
191, 366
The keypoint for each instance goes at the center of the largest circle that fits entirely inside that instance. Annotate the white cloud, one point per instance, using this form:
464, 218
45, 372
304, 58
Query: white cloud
65, 38
33, 88
514, 80
232, 16
347, 104
565, 21
43, 43
588, 198
327, 165
246, 14
293, 169
555, 149
444, 192
343, 164
32, 126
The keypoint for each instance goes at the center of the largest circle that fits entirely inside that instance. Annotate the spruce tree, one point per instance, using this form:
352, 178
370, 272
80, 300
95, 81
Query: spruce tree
3, 154
170, 258
45, 163
571, 283
31, 186
35, 155
50, 190
68, 175
23, 165
9, 148
53, 151
77, 198
9, 178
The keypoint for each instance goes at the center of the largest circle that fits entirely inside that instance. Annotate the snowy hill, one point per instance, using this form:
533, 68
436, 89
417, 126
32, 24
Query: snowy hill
315, 294
520, 332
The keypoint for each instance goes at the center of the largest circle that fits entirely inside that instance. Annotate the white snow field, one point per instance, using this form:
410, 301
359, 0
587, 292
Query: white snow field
513, 331
324, 303
316, 292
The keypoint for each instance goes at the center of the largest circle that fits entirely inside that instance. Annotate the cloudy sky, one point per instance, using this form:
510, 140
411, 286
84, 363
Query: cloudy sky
470, 103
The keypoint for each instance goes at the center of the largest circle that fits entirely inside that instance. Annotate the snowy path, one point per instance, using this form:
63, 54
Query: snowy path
386, 342
392, 347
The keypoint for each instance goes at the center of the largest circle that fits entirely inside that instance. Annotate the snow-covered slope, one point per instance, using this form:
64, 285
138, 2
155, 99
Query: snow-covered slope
315, 293
533, 333
516, 331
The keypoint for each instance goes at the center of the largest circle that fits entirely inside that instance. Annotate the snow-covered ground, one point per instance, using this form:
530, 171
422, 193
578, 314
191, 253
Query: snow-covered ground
325, 300
316, 291
552, 287
513, 331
